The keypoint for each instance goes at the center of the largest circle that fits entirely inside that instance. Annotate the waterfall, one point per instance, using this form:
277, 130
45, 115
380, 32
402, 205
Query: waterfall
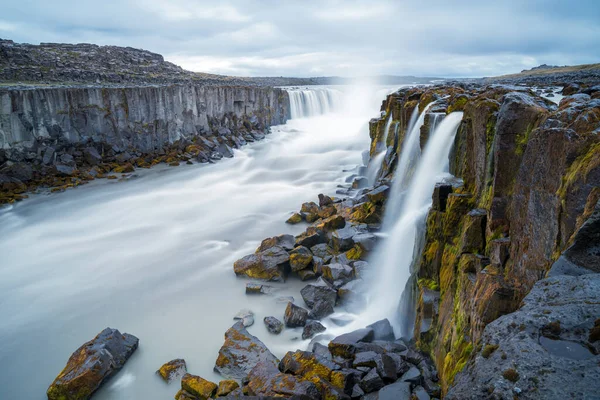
396, 253
374, 167
409, 156
309, 102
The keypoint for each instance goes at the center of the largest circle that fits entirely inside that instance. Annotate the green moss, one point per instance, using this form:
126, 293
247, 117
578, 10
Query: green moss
511, 375
428, 283
523, 139
488, 350
580, 168
458, 105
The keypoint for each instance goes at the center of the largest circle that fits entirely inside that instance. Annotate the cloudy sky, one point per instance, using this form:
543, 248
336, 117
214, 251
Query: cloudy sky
324, 37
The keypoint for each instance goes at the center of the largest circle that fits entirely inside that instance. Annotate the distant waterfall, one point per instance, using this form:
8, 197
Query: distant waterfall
395, 256
308, 102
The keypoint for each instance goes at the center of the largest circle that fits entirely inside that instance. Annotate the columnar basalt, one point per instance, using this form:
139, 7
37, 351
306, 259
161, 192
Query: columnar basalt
530, 172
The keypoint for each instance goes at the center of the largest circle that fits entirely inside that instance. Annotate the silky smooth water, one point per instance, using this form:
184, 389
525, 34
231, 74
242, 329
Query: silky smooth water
153, 255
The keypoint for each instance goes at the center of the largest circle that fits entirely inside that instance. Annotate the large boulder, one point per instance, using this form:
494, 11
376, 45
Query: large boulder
91, 364
346, 345
240, 352
300, 258
195, 387
266, 380
270, 264
295, 316
318, 291
284, 241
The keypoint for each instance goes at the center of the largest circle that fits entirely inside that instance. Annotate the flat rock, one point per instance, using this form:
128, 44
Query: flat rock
240, 352
396, 391
345, 345
93, 363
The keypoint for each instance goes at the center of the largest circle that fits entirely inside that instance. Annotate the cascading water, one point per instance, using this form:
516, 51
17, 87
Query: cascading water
306, 102
376, 162
395, 256
409, 156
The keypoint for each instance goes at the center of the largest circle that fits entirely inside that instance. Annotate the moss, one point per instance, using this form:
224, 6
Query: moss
355, 253
458, 105
428, 283
522, 140
580, 168
488, 350
511, 375
294, 219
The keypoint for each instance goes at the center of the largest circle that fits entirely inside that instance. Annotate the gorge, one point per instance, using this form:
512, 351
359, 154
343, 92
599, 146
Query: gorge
452, 251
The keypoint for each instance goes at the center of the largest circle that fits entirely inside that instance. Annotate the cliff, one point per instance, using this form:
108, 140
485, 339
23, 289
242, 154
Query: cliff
530, 177
64, 136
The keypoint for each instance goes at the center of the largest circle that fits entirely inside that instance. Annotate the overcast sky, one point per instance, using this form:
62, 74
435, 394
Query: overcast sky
325, 37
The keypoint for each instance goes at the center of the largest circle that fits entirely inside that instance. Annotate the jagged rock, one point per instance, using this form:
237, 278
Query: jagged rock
342, 239
420, 393
345, 345
321, 309
93, 363
310, 208
311, 329
172, 370
226, 387
309, 240
258, 288
371, 382
386, 367
366, 240
334, 272
240, 352
382, 330
360, 268
300, 258
324, 200
413, 375
287, 242
307, 364
396, 391
195, 387
318, 291
365, 359
295, 316
269, 264
273, 325
266, 380
323, 251
331, 224
296, 218
307, 275
357, 392
440, 196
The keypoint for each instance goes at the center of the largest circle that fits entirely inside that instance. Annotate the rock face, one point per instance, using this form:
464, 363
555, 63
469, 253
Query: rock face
240, 352
545, 350
91, 364
530, 173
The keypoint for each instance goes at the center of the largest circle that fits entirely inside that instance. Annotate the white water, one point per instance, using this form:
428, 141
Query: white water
394, 256
153, 255
309, 102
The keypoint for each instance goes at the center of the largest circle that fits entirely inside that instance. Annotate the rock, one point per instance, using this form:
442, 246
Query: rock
413, 375
311, 329
310, 208
331, 223
195, 387
383, 330
318, 291
309, 240
396, 391
366, 240
269, 264
360, 268
240, 352
357, 392
287, 242
365, 359
378, 195
321, 309
306, 364
499, 251
300, 258
324, 200
226, 387
345, 345
440, 196
273, 325
295, 316
296, 218
386, 367
266, 380
334, 272
371, 382
91, 364
420, 393
307, 275
48, 156
64, 170
323, 251
172, 370
342, 239
258, 288
225, 150
246, 316
91, 156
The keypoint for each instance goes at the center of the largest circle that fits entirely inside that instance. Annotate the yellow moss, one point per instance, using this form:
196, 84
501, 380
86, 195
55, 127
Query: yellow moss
580, 168
355, 253
428, 283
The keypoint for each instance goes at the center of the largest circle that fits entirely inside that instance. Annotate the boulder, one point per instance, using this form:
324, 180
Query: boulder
367, 241
318, 291
91, 156
311, 329
273, 325
307, 274
323, 251
270, 265
413, 375
296, 218
365, 359
258, 288
226, 387
335, 272
195, 387
321, 309
310, 208
93, 363
341, 239
345, 345
65, 170
324, 200
240, 352
172, 370
295, 316
383, 330
300, 258
284, 241
266, 380
332, 223
396, 391
371, 382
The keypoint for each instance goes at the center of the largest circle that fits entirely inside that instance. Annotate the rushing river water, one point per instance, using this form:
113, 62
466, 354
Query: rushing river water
153, 255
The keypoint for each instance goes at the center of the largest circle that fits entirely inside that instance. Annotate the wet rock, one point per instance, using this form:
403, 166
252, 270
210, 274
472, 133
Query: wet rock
172, 370
345, 345
440, 196
357, 392
396, 391
195, 387
287, 242
269, 264
342, 239
360, 268
300, 258
295, 316
296, 218
335, 272
413, 375
225, 150
323, 251
324, 200
420, 393
226, 387
367, 241
310, 208
307, 274
266, 380
93, 363
91, 156
273, 325
386, 367
382, 330
371, 382
349, 293
331, 223
240, 352
65, 170
378, 195
318, 291
246, 316
258, 288
311, 329
321, 309
309, 240
365, 359
307, 364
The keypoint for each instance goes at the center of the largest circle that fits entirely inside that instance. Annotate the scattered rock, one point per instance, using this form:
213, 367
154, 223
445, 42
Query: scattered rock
318, 291
300, 258
195, 387
295, 316
311, 329
269, 265
172, 370
273, 325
